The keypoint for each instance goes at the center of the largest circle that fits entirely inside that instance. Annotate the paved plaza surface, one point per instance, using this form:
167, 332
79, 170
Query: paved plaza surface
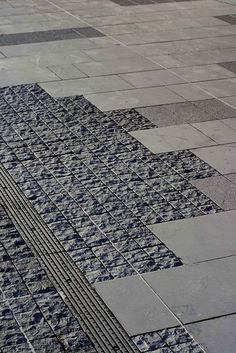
117, 176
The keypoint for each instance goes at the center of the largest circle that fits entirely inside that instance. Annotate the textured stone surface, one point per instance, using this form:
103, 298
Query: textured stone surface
94, 185
33, 316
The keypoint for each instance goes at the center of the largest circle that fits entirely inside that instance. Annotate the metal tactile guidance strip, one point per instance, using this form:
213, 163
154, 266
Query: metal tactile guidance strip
98, 322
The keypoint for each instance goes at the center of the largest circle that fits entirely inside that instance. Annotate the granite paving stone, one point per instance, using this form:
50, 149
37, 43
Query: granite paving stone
198, 291
117, 122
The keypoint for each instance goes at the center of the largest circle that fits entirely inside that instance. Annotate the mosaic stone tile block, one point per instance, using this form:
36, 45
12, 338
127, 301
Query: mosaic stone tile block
95, 186
33, 316
170, 340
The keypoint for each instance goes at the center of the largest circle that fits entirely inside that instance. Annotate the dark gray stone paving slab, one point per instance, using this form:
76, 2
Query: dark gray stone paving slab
200, 238
95, 186
169, 340
47, 36
135, 305
187, 112
198, 292
231, 66
33, 316
219, 189
227, 18
216, 335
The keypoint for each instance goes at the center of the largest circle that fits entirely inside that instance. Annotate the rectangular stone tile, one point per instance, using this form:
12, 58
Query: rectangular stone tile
62, 46
204, 72
37, 37
220, 88
215, 335
28, 75
217, 130
172, 138
108, 67
167, 61
115, 52
134, 98
85, 86
222, 158
134, 304
189, 92
89, 32
197, 292
200, 238
151, 78
66, 71
175, 114
219, 189
216, 107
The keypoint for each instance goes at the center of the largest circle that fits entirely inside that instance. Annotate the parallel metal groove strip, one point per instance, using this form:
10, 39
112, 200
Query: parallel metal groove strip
104, 330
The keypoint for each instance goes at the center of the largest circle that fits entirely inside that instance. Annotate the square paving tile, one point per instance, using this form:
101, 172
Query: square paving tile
217, 130
219, 189
200, 238
135, 305
220, 88
197, 292
172, 138
216, 335
189, 92
222, 158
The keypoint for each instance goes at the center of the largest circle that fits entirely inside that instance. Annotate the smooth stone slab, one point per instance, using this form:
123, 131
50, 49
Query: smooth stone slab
199, 238
28, 75
219, 189
115, 52
220, 88
216, 335
222, 158
172, 138
85, 86
135, 305
203, 72
108, 67
189, 92
217, 130
230, 100
197, 292
66, 71
151, 78
134, 98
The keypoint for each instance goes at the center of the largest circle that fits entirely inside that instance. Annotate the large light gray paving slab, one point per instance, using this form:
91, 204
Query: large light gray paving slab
172, 138
134, 98
203, 72
135, 305
222, 158
151, 78
85, 86
199, 291
200, 238
28, 75
219, 189
116, 52
62, 46
66, 58
217, 130
66, 71
117, 66
189, 92
216, 335
220, 88
167, 61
